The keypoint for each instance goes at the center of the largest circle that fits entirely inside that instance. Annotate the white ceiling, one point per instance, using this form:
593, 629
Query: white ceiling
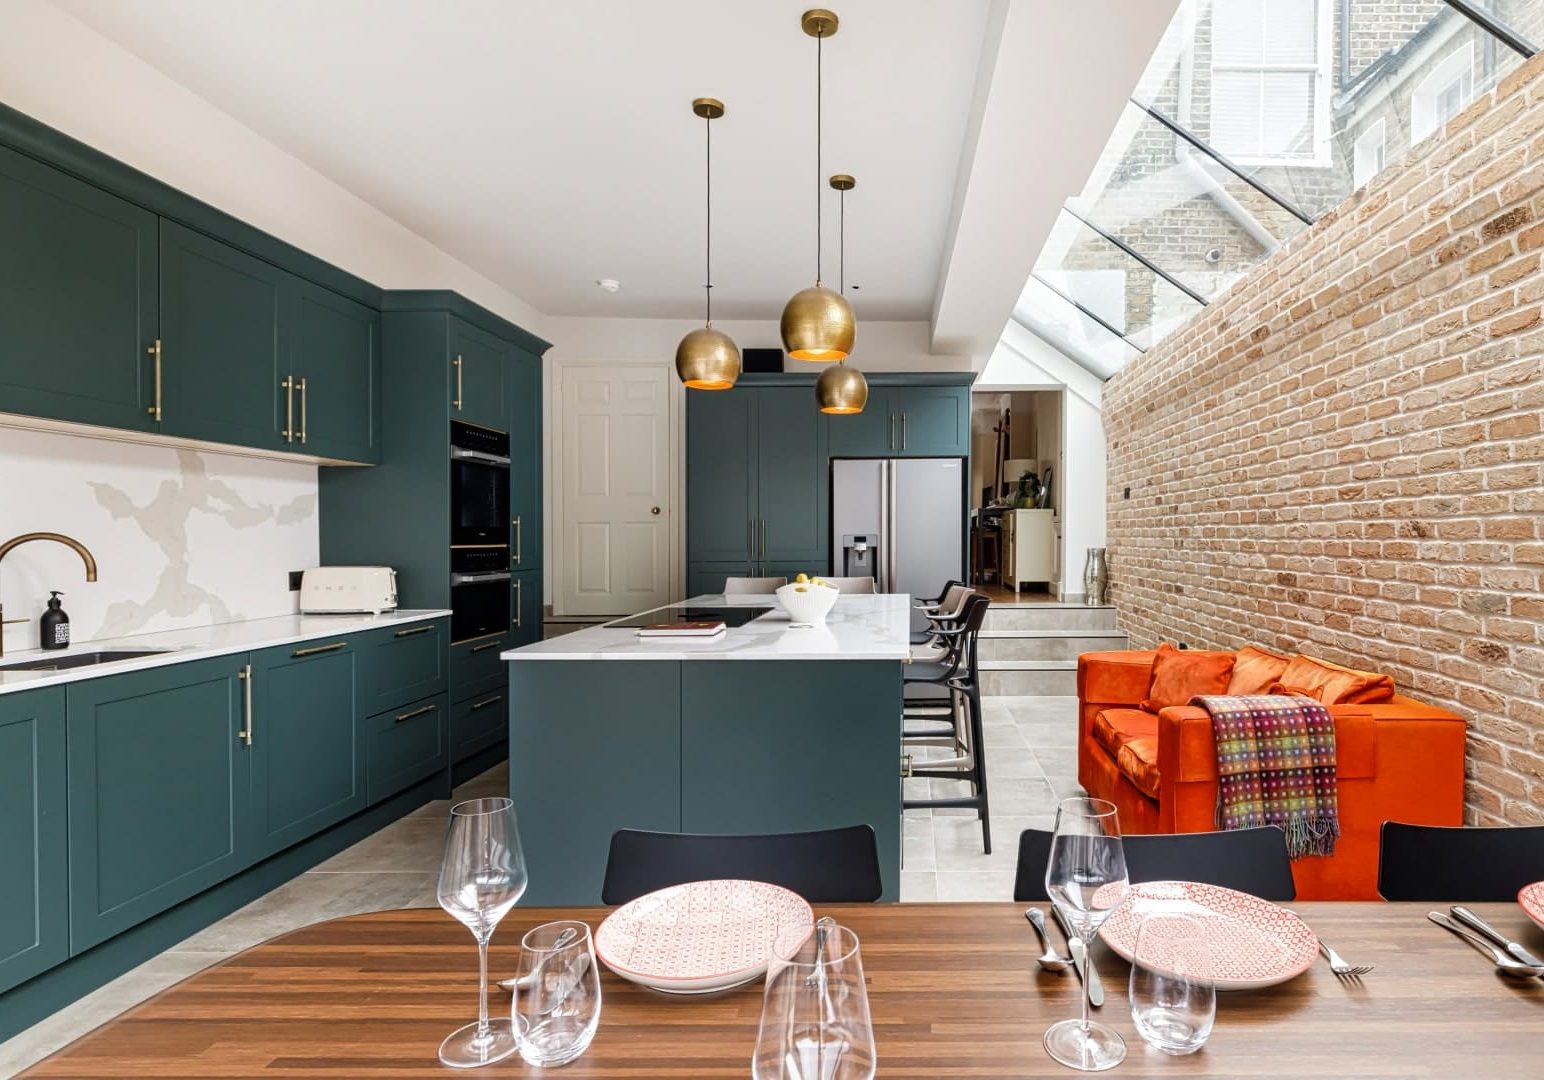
550, 144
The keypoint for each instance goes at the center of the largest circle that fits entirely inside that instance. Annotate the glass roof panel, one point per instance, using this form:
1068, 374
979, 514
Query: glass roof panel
1055, 319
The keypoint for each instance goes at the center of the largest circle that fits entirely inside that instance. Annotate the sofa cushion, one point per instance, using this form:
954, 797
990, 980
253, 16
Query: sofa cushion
1112, 727
1331, 684
1255, 671
1181, 674
1137, 760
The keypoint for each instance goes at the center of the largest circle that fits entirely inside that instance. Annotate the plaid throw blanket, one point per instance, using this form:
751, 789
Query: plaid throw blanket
1276, 766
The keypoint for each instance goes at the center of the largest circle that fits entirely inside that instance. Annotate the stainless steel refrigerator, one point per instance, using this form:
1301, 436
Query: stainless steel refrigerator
899, 520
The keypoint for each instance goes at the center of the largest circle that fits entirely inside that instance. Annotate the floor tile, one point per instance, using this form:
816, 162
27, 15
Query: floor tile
976, 885
918, 886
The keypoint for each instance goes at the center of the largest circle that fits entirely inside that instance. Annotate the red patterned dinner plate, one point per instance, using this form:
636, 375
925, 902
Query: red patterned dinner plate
1531, 897
702, 936
1253, 942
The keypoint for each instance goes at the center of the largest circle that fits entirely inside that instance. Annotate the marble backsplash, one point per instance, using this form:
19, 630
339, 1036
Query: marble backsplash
181, 537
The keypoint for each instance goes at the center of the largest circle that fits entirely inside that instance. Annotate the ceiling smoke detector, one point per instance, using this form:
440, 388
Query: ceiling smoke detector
607, 284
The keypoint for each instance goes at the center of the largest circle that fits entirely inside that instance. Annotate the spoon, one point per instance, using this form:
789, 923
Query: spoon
1504, 963
1050, 959
529, 979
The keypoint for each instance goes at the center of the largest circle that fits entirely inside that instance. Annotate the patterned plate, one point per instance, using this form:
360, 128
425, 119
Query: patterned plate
701, 936
1254, 942
1531, 897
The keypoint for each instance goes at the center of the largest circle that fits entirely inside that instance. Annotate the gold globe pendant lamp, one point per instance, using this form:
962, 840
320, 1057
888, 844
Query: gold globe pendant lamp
817, 323
841, 389
708, 359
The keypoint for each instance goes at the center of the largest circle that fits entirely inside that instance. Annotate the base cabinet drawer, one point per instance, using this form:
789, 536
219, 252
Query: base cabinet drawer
475, 667
34, 872
478, 723
407, 663
406, 745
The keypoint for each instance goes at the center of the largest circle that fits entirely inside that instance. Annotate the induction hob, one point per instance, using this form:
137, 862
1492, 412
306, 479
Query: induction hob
729, 616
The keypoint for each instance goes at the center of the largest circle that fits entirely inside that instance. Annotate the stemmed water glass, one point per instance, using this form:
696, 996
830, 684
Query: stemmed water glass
481, 877
1086, 880
815, 1021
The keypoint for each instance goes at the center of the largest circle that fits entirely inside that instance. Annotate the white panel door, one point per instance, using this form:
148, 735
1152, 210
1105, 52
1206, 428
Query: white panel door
614, 473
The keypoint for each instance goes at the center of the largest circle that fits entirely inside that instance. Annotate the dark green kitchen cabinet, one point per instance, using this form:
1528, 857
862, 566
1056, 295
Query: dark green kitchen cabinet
305, 749
906, 421
77, 299
792, 477
335, 374
224, 347
479, 722
475, 667
870, 433
479, 374
721, 474
525, 608
525, 457
403, 664
158, 793
405, 745
34, 860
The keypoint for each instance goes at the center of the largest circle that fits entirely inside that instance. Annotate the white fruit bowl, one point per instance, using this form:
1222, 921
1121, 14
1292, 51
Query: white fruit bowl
811, 605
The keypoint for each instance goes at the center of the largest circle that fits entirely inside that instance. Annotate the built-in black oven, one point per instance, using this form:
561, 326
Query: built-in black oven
479, 485
479, 592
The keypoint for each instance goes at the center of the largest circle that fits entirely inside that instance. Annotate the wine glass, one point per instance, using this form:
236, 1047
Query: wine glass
815, 1016
1173, 998
481, 877
1086, 880
558, 1003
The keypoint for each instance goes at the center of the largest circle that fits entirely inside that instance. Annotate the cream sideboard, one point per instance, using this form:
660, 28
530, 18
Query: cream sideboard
1029, 547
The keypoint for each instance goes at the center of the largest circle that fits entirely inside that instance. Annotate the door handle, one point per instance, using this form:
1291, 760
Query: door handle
415, 631
892, 431
302, 411
155, 354
484, 704
245, 734
763, 538
288, 386
317, 650
518, 583
303, 422
456, 363
484, 648
403, 718
519, 539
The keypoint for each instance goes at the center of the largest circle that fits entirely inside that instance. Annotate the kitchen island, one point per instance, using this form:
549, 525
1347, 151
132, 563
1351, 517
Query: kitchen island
770, 727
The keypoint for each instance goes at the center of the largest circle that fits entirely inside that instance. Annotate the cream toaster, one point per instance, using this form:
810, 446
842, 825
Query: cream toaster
335, 590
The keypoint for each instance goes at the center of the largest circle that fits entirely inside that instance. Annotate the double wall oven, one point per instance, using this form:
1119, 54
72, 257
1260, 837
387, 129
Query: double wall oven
479, 531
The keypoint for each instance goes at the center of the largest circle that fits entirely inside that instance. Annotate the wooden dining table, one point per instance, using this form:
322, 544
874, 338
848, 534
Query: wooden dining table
953, 988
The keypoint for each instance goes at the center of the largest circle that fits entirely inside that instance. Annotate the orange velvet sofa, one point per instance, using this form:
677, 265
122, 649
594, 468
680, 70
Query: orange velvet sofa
1398, 760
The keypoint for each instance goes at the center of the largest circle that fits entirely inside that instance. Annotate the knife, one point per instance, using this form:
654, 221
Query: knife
1469, 918
1087, 972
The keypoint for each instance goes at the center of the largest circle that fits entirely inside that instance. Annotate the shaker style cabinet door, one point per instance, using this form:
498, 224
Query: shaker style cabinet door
308, 765
525, 608
479, 364
34, 864
525, 462
721, 474
336, 361
157, 792
222, 355
870, 433
931, 420
793, 477
77, 299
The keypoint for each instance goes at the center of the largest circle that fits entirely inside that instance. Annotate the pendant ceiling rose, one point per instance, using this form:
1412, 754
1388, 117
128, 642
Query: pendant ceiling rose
819, 23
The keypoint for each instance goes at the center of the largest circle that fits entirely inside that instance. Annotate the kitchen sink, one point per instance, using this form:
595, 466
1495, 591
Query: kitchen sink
75, 660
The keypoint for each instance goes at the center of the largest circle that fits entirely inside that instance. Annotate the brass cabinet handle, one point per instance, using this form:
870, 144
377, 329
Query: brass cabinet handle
892, 431
317, 650
519, 539
518, 583
484, 648
415, 630
288, 386
903, 425
403, 718
456, 363
245, 734
906, 766
763, 538
484, 704
302, 411
155, 353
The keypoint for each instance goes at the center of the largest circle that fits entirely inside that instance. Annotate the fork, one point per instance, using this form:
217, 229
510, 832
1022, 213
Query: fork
1342, 969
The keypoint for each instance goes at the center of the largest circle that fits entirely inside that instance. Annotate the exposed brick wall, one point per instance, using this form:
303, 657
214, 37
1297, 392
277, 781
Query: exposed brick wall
1344, 456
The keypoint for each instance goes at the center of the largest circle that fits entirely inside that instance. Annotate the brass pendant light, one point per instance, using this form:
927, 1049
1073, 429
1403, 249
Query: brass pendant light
841, 388
817, 323
708, 359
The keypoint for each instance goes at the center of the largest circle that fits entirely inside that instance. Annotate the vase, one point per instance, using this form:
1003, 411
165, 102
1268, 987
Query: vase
1096, 577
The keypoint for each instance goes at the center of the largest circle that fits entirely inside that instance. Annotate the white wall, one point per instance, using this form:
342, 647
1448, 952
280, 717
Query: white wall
181, 538
1023, 361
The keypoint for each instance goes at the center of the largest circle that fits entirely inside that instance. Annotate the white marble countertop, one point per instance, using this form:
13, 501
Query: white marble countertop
197, 643
875, 627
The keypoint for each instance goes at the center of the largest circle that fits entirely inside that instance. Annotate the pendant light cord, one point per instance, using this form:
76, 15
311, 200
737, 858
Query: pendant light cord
708, 269
841, 230
820, 41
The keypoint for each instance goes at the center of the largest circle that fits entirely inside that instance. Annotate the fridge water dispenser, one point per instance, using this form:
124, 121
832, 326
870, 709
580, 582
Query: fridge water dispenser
860, 555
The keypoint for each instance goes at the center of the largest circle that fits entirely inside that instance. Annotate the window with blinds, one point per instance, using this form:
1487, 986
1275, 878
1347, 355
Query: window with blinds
1269, 96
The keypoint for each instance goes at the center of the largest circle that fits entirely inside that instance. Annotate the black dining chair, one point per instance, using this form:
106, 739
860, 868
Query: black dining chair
833, 866
1254, 861
1439, 862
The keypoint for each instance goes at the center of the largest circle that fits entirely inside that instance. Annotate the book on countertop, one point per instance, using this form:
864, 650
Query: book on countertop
705, 628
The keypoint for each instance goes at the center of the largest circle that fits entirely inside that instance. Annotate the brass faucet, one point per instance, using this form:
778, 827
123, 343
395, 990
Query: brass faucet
16, 541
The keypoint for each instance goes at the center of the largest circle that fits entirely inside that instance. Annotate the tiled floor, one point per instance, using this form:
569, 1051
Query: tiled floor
1030, 766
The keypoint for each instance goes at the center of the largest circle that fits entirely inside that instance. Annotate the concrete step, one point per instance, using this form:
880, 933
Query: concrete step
1029, 678
1048, 644
1049, 617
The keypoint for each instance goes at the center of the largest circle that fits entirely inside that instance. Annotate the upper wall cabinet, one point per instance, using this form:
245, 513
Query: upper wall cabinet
334, 375
479, 370
906, 421
77, 299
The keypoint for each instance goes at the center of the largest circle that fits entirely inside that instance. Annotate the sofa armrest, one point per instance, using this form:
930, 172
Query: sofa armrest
1115, 678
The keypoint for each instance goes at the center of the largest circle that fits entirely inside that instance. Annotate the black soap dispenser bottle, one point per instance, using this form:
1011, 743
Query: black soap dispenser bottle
55, 624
